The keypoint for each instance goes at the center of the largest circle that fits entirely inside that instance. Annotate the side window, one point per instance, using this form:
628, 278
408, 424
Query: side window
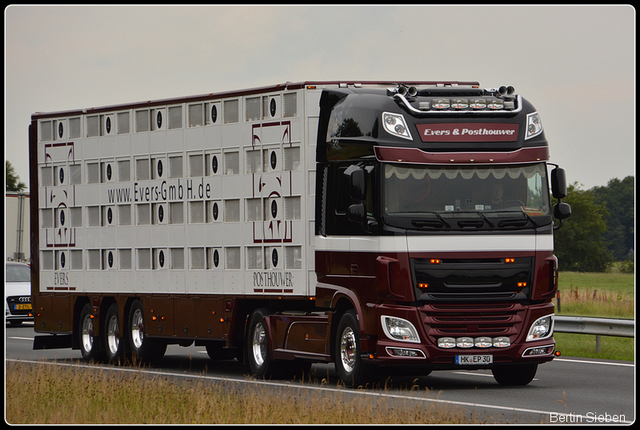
339, 199
341, 187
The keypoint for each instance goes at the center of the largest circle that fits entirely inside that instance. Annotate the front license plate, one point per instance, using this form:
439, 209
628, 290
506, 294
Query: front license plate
474, 359
23, 307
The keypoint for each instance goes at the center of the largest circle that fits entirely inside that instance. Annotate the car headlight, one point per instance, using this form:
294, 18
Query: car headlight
541, 328
395, 124
399, 329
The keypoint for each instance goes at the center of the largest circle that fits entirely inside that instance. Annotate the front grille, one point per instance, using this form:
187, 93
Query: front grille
470, 319
479, 280
17, 302
474, 321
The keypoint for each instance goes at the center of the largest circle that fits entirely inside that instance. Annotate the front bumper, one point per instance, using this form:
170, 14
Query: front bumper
18, 310
480, 322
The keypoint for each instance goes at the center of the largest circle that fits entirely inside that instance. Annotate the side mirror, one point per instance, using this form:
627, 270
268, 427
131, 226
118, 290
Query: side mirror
562, 211
559, 183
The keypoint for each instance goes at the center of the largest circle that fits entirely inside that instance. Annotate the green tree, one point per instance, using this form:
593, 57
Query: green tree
579, 244
12, 179
618, 198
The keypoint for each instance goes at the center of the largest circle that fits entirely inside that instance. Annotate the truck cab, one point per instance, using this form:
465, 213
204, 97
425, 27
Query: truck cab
434, 210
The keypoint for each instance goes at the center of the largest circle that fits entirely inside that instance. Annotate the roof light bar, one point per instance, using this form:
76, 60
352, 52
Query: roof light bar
440, 105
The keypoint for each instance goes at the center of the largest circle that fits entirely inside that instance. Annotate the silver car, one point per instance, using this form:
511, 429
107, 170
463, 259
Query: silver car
17, 291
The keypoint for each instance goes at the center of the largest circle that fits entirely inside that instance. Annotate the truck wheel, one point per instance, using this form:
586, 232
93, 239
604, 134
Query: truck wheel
258, 348
520, 374
89, 343
143, 349
111, 335
351, 369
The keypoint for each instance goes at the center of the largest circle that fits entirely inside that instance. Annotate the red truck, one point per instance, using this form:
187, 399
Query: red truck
369, 224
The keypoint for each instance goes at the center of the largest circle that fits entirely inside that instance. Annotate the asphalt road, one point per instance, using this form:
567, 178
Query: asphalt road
567, 390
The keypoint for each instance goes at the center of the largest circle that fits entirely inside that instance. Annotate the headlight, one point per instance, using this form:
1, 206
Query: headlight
534, 125
541, 328
399, 329
395, 124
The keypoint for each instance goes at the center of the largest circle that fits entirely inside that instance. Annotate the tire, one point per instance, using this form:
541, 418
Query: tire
258, 346
111, 336
520, 374
142, 348
352, 370
89, 343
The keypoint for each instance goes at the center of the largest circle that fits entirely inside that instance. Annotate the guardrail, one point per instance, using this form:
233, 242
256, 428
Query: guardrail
597, 326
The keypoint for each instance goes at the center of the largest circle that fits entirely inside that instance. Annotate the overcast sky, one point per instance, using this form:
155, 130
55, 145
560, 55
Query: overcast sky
576, 64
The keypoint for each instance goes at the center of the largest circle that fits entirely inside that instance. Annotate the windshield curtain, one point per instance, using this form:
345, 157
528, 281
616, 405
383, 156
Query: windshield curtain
409, 190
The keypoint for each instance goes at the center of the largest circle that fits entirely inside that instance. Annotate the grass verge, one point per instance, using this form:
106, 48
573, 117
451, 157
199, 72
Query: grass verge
609, 295
46, 394
605, 295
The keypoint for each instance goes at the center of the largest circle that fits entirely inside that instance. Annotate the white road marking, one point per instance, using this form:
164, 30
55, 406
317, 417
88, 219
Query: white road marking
305, 387
605, 363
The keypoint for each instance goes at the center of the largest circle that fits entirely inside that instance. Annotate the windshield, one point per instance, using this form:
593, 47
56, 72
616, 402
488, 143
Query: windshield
488, 192
18, 273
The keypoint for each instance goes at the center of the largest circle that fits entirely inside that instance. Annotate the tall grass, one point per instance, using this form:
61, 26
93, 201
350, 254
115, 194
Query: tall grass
46, 394
610, 295
606, 295
595, 303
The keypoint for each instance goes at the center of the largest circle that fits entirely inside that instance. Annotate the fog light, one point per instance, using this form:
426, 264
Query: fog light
404, 352
538, 350
483, 342
446, 342
464, 342
501, 342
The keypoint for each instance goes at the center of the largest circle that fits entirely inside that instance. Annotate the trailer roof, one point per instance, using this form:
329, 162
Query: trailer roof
238, 93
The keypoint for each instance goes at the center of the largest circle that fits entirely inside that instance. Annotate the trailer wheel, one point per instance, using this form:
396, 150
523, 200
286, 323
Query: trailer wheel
349, 365
89, 343
258, 347
143, 348
111, 335
520, 374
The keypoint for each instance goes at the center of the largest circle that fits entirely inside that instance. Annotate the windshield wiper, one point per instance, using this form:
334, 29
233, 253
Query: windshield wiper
439, 223
517, 222
486, 219
530, 219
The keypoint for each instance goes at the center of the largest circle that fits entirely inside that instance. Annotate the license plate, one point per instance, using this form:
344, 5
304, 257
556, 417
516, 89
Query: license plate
23, 307
474, 359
